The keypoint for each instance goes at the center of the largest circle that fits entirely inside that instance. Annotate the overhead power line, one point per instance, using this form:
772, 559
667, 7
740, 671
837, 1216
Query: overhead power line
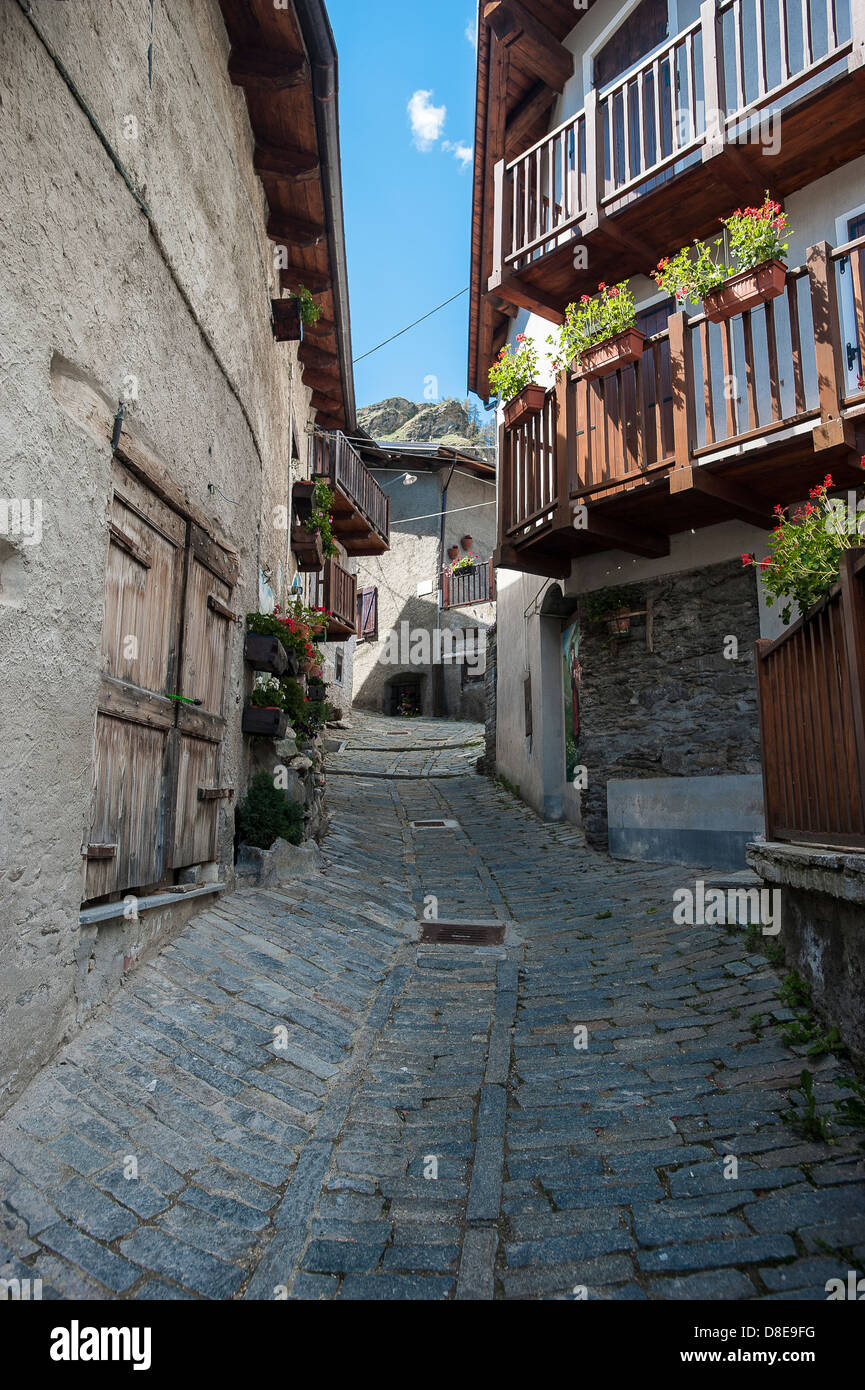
411, 325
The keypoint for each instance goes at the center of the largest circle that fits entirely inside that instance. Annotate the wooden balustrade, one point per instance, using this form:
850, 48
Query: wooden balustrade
333, 457
738, 61
476, 584
339, 598
812, 719
700, 394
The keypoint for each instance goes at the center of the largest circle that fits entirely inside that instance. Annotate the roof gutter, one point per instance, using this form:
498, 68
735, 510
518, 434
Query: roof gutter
321, 51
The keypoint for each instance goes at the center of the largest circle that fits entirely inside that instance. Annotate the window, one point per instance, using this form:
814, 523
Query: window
474, 657
338, 666
367, 615
642, 31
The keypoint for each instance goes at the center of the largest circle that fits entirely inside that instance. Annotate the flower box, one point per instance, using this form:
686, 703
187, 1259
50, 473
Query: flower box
619, 624
316, 691
308, 550
268, 654
287, 320
606, 357
746, 290
265, 720
528, 403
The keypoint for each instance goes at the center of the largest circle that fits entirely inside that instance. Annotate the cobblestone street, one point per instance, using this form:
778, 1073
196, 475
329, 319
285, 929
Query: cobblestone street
298, 1097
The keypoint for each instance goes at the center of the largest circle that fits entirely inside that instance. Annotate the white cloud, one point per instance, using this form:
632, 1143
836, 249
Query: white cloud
471, 32
461, 152
427, 121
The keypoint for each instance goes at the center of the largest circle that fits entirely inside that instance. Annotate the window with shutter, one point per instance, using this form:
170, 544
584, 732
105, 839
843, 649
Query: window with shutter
367, 615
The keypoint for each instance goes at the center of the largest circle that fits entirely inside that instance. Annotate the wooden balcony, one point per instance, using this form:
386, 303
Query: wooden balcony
716, 421
338, 596
654, 158
812, 719
460, 588
361, 515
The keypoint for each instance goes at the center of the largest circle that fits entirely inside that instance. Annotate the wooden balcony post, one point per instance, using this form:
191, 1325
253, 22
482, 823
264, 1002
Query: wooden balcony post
853, 623
563, 443
827, 330
857, 24
683, 408
769, 751
492, 580
499, 179
504, 484
713, 80
595, 162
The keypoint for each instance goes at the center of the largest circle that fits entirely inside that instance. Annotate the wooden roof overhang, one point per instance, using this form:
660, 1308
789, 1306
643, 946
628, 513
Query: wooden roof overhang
285, 60
522, 68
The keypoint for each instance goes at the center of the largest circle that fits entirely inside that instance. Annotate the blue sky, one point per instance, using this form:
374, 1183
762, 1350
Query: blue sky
407, 187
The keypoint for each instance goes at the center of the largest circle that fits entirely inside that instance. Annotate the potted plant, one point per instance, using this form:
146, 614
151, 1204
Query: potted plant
600, 332
467, 542
310, 312
610, 609
316, 691
269, 645
307, 548
512, 377
465, 562
757, 240
266, 715
805, 550
320, 519
453, 552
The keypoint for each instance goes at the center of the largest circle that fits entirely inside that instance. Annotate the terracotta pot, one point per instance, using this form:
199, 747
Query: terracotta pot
612, 353
619, 623
453, 552
466, 542
528, 403
746, 290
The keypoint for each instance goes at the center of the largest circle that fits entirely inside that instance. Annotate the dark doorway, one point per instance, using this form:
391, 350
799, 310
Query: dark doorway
404, 696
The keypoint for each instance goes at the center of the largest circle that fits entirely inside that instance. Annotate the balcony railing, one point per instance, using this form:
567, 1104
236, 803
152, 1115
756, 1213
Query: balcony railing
338, 590
477, 584
677, 106
812, 719
362, 511
785, 374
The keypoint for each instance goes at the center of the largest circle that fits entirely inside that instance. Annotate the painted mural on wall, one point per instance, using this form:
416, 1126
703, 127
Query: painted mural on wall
572, 673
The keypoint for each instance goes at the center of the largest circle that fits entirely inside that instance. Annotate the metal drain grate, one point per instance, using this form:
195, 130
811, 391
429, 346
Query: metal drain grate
463, 933
435, 825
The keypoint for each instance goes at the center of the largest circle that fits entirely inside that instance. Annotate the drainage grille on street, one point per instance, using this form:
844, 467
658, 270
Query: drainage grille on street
464, 933
435, 825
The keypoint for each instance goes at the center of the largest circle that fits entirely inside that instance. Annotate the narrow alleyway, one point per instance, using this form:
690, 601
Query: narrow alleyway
317, 1105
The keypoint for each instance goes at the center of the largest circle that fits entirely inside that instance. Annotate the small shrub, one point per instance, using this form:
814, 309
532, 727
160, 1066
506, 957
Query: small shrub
266, 815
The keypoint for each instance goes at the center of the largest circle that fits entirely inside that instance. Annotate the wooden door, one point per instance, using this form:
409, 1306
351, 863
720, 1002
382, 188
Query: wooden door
128, 842
162, 710
208, 624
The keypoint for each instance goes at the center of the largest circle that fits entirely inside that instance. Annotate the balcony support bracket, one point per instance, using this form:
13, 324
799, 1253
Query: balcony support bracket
736, 500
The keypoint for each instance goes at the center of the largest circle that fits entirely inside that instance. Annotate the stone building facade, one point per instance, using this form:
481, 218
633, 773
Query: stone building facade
154, 425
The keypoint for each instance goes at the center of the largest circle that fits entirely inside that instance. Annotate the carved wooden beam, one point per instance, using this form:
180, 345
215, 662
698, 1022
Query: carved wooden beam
294, 231
293, 276
738, 501
638, 540
321, 382
317, 357
286, 162
522, 121
516, 26
266, 70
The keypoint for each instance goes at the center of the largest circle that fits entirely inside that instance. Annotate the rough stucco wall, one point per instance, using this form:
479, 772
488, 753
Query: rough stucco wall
412, 561
83, 278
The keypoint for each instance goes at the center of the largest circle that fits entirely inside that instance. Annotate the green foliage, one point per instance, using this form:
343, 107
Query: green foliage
794, 992
851, 1110
269, 694
266, 815
805, 551
512, 371
805, 1119
310, 312
592, 321
320, 518
602, 916
600, 605
754, 235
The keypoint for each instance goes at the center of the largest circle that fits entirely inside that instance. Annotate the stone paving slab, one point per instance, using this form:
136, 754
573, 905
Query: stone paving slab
429, 1130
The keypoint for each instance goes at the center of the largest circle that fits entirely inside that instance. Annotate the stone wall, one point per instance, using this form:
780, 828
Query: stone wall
681, 709
487, 763
162, 300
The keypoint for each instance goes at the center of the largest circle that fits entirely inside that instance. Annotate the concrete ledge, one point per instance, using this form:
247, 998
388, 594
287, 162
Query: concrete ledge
109, 911
685, 820
837, 872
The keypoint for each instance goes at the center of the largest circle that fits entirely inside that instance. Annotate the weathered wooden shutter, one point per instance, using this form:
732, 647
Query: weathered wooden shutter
367, 614
208, 626
129, 839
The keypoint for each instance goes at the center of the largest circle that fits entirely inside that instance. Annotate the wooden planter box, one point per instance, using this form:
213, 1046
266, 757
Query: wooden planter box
268, 654
302, 497
619, 624
316, 691
528, 403
746, 290
606, 357
308, 551
266, 721
287, 320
